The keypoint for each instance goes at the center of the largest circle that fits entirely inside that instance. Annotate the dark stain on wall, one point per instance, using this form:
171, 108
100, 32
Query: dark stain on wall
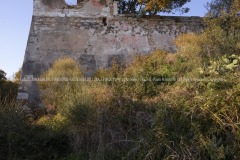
88, 64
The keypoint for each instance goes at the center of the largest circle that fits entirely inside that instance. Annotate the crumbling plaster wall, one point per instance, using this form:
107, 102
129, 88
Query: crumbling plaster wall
92, 35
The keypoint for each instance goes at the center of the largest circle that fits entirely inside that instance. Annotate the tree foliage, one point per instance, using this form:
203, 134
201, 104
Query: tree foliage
216, 8
223, 31
152, 7
17, 76
2, 75
7, 88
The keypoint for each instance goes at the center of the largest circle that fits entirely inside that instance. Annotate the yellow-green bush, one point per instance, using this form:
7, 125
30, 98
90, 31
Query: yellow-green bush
65, 87
75, 101
144, 76
196, 118
54, 122
223, 34
58, 85
20, 138
8, 89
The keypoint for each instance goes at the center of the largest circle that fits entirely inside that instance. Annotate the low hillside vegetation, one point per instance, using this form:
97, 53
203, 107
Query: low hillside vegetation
183, 105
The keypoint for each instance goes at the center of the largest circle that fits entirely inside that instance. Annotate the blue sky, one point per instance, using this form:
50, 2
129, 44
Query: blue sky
15, 20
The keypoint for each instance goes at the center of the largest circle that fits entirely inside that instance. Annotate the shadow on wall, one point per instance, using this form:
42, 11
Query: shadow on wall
53, 4
88, 64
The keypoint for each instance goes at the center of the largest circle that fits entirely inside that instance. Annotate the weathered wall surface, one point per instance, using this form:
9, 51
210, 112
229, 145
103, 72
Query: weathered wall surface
93, 36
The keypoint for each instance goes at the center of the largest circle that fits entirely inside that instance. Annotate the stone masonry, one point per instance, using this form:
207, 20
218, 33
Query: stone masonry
93, 33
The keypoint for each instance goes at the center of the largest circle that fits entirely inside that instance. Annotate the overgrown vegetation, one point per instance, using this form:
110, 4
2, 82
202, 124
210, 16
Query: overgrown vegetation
8, 89
161, 106
21, 137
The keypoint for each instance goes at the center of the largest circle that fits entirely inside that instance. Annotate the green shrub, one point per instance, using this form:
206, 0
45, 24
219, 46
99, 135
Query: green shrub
77, 104
143, 77
223, 34
55, 122
201, 122
61, 85
8, 89
196, 118
65, 87
20, 138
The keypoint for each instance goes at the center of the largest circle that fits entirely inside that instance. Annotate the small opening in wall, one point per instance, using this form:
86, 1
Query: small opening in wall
104, 21
71, 2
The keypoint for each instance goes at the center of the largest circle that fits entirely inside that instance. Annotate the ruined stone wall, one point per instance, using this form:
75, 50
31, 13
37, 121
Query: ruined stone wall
93, 35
